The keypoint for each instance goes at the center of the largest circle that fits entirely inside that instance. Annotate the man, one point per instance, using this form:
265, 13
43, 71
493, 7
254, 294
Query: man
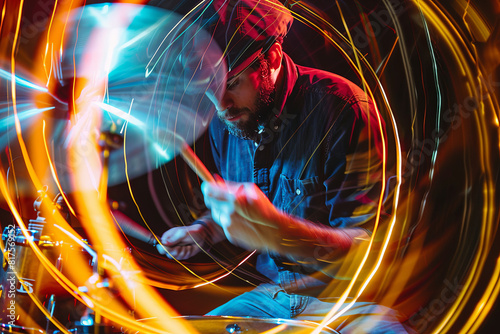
300, 151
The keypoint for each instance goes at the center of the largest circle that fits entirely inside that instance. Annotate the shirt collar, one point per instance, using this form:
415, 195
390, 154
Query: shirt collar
290, 78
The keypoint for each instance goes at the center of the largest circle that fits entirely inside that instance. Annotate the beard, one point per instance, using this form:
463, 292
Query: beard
258, 114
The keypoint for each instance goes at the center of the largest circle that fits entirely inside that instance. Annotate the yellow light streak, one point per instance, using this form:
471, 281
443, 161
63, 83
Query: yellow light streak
4, 7
393, 221
228, 273
276, 329
452, 36
51, 20
54, 172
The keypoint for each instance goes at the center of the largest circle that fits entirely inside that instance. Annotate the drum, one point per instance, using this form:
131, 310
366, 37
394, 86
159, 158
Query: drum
22, 274
242, 325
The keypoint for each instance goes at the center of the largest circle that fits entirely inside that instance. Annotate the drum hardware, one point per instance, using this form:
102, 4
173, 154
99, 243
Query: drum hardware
38, 282
32, 281
38, 223
109, 140
51, 306
233, 328
14, 329
45, 240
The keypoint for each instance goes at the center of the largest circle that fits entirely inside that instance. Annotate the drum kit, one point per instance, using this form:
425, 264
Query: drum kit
142, 84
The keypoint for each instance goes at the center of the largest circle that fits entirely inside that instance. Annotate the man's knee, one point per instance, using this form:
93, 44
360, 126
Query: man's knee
249, 304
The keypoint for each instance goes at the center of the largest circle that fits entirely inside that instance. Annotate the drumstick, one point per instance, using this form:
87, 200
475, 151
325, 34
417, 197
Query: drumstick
136, 231
195, 163
132, 229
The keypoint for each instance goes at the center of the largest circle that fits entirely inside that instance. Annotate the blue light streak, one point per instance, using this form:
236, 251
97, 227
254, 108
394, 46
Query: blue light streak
10, 121
120, 113
21, 82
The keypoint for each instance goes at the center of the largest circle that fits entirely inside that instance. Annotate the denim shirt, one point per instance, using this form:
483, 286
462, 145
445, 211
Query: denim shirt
318, 158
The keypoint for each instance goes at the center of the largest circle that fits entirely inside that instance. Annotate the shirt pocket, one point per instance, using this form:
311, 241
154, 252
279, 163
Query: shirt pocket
299, 197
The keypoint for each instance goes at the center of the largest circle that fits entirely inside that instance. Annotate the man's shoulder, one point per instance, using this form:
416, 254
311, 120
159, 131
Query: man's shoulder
311, 80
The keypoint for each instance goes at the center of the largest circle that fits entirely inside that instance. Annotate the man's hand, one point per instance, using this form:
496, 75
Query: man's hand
251, 221
183, 242
246, 215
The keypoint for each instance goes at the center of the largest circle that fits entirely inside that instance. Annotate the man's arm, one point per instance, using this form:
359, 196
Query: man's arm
250, 220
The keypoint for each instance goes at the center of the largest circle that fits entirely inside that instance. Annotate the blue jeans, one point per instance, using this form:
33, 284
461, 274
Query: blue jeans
271, 301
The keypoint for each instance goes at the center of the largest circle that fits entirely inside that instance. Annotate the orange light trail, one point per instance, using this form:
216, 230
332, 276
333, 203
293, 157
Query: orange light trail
54, 173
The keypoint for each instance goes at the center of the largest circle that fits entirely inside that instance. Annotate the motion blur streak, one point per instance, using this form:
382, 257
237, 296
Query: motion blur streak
335, 313
457, 310
54, 173
431, 67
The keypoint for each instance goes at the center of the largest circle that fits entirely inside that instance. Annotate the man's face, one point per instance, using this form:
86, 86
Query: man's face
247, 101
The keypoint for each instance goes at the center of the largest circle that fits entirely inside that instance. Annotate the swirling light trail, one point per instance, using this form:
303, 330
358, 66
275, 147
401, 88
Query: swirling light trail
388, 256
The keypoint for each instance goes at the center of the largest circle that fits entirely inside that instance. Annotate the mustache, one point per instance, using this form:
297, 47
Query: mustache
231, 112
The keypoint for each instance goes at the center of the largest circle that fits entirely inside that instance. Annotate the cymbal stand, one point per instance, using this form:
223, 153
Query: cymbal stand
108, 141
36, 226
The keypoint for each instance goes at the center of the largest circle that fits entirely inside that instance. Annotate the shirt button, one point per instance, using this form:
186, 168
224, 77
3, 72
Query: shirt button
261, 147
298, 191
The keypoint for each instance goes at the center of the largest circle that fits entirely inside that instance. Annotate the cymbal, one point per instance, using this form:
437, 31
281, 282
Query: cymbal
163, 73
152, 76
